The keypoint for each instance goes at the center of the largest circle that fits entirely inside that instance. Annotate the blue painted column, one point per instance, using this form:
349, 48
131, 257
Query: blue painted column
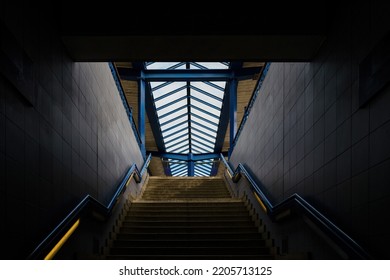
141, 113
191, 165
232, 111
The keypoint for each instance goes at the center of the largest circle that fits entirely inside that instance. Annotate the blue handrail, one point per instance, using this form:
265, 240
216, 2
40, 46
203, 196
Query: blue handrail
352, 248
88, 201
129, 111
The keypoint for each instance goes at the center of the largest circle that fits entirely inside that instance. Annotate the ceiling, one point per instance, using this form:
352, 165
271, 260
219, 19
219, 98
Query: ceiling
198, 134
271, 31
243, 34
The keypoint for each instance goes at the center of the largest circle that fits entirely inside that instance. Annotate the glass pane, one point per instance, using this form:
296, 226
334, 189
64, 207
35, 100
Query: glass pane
206, 98
208, 88
167, 89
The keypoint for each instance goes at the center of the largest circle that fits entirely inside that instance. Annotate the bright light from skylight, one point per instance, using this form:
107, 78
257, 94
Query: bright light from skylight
189, 114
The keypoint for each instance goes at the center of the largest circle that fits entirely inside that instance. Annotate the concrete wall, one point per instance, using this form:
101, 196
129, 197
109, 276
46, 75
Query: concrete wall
306, 133
64, 132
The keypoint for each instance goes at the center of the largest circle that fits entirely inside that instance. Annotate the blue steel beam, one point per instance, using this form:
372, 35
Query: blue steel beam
166, 167
214, 168
189, 111
152, 116
181, 157
153, 119
141, 113
190, 75
232, 111
191, 165
224, 119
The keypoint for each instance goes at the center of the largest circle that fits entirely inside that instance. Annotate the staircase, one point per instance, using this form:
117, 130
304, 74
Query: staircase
187, 218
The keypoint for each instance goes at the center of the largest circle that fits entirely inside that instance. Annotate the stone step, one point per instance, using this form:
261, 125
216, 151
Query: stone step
168, 250
189, 229
255, 243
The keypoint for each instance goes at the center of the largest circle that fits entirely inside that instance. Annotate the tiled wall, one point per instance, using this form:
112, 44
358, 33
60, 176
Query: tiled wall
306, 133
74, 139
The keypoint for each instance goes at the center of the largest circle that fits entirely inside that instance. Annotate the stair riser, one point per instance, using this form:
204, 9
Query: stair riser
188, 219
188, 230
183, 214
187, 236
206, 218
187, 224
189, 204
178, 196
256, 243
186, 208
190, 251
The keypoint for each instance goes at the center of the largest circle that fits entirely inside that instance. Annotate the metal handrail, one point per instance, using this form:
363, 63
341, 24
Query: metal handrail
88, 201
352, 248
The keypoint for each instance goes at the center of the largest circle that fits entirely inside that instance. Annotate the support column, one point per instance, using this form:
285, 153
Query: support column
141, 113
191, 165
232, 112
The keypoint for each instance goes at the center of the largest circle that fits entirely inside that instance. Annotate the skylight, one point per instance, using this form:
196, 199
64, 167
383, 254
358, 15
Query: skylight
188, 114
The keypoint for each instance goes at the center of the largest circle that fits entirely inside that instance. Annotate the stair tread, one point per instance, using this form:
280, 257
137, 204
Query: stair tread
187, 218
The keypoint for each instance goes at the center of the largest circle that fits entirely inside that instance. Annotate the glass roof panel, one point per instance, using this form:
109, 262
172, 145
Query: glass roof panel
214, 65
211, 88
205, 131
205, 107
172, 115
167, 89
183, 132
206, 99
162, 65
171, 107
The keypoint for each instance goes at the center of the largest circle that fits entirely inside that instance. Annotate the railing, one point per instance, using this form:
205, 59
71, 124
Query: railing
350, 247
56, 238
250, 105
129, 111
